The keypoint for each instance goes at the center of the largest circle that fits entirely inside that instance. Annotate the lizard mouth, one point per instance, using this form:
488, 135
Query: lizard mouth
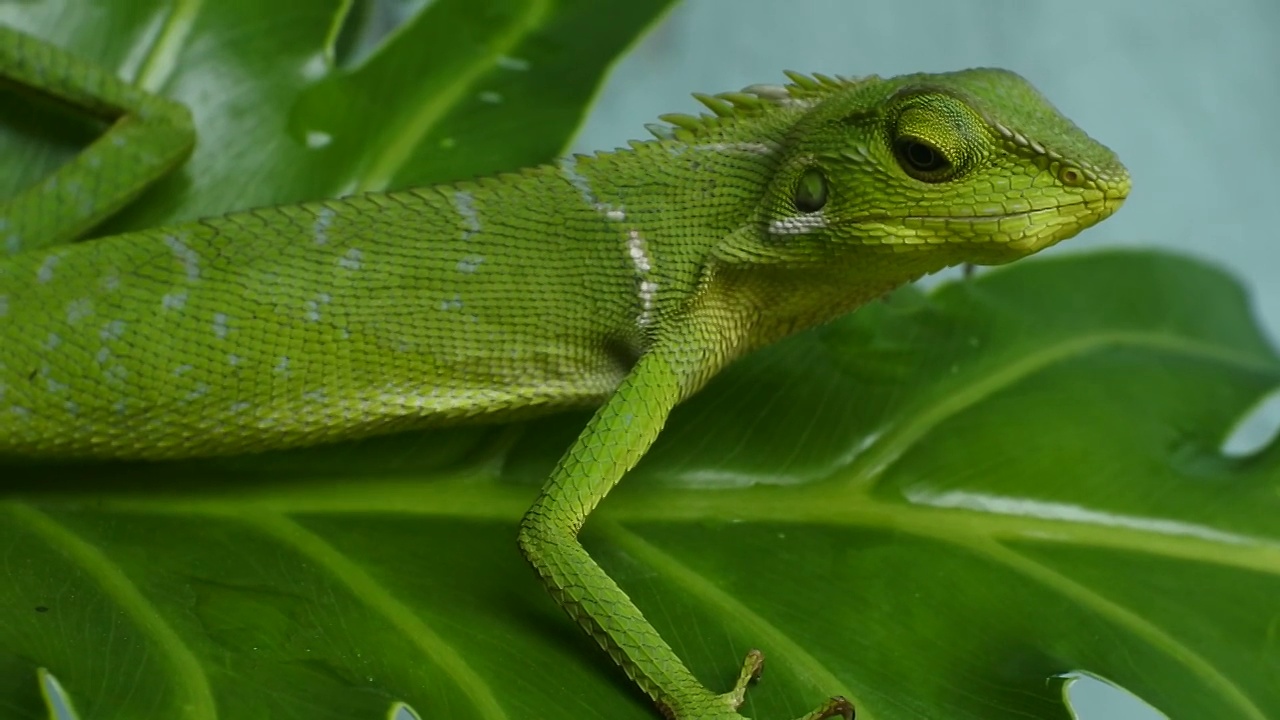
1004, 237
1098, 209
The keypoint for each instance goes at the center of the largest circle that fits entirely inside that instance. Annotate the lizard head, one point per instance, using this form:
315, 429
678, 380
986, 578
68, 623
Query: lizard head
973, 166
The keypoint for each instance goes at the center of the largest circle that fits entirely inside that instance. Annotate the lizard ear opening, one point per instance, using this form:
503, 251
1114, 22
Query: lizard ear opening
811, 191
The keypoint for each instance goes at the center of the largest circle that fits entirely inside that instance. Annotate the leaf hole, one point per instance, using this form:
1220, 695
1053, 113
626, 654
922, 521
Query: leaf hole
57, 701
1095, 698
402, 711
1256, 429
366, 24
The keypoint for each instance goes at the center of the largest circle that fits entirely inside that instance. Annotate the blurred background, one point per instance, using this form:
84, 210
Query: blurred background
1185, 91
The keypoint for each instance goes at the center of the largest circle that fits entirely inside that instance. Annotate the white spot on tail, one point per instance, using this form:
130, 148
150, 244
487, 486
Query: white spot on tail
240, 407
313, 306
199, 391
616, 215
116, 373
174, 301
185, 256
13, 243
113, 330
54, 386
353, 260
798, 224
220, 326
491, 97
4, 305
469, 264
282, 367
233, 360
182, 370
45, 273
454, 303
111, 282
465, 203
320, 230
53, 341
78, 310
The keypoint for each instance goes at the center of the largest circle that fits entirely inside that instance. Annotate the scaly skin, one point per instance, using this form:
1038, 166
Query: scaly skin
623, 280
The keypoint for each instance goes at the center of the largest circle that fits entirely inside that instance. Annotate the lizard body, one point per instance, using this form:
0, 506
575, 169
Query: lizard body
623, 280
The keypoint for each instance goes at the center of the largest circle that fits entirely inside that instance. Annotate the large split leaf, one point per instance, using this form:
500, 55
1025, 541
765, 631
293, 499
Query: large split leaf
286, 113
939, 506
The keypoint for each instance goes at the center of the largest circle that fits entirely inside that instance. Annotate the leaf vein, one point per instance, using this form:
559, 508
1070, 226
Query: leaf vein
893, 443
1122, 617
377, 596
191, 683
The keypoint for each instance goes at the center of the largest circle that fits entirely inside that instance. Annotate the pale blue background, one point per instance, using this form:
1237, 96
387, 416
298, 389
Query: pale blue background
1186, 91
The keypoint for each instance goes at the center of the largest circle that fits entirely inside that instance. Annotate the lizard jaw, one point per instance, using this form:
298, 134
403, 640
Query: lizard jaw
990, 239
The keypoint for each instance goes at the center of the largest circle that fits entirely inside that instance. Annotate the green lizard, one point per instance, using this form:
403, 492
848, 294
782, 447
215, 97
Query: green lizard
622, 280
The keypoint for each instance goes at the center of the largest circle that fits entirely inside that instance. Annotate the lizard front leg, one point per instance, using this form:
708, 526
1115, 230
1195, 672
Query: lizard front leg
613, 441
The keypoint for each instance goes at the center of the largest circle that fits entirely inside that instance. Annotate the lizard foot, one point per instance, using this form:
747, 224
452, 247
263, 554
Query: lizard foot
836, 707
751, 669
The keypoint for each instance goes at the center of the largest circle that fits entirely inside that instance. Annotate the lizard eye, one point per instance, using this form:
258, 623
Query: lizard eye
921, 160
811, 191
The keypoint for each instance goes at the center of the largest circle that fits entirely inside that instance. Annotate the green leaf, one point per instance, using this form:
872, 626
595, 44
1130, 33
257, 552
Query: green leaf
461, 88
939, 506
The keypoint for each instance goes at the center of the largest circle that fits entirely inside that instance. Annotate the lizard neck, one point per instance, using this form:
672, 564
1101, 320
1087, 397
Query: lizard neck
752, 306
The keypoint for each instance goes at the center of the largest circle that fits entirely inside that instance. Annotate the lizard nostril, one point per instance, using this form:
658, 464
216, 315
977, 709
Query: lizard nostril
1071, 177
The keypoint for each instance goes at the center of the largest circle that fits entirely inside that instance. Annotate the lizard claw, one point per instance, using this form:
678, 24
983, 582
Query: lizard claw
753, 666
836, 707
